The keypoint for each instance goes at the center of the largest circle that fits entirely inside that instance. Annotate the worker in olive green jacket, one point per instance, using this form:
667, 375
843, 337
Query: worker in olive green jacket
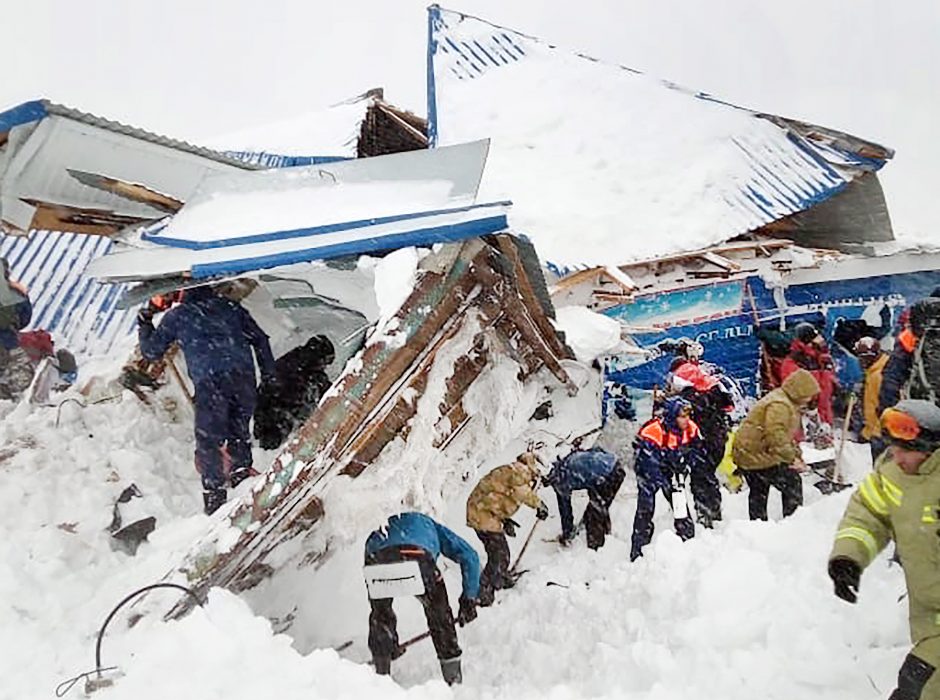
766, 450
490, 508
900, 501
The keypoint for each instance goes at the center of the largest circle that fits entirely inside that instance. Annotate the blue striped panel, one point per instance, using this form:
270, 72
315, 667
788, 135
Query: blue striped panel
79, 312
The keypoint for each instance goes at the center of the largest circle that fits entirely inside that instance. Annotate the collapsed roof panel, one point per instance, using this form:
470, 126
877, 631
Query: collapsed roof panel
53, 153
261, 220
476, 294
652, 169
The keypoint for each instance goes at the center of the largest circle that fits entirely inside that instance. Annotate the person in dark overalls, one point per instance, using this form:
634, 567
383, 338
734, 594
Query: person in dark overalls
217, 337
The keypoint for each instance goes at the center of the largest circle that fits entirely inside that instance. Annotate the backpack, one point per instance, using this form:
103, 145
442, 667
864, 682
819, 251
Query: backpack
925, 375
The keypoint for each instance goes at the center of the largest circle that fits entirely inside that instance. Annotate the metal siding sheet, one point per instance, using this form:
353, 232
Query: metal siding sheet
79, 312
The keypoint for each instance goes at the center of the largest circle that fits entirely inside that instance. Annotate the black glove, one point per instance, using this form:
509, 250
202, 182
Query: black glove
846, 576
146, 314
541, 512
467, 612
509, 527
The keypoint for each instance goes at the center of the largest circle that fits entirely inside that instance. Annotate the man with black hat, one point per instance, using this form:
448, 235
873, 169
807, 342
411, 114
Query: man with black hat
900, 501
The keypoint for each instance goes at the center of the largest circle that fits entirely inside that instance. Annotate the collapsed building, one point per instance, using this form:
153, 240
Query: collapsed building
688, 217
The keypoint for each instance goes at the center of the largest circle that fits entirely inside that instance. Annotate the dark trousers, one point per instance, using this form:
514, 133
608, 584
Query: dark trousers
706, 491
496, 572
383, 625
782, 478
597, 514
651, 480
224, 407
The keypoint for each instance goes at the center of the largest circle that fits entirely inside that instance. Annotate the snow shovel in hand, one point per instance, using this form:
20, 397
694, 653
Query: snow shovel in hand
826, 485
525, 545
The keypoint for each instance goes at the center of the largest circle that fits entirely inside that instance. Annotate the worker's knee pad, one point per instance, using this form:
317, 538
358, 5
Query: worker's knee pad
913, 676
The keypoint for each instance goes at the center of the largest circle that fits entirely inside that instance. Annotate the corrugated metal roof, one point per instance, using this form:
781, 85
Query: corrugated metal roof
79, 312
39, 109
648, 167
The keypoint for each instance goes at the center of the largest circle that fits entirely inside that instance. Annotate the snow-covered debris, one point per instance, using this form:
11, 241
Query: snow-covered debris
588, 333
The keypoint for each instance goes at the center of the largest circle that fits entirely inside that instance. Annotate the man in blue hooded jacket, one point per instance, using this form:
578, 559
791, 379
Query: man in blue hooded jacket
599, 473
414, 537
666, 450
217, 337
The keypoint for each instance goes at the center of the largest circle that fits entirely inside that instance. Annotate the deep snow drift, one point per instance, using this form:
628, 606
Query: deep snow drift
740, 612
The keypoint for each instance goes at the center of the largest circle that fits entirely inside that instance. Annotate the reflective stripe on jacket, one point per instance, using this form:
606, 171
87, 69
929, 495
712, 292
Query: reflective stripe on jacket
891, 505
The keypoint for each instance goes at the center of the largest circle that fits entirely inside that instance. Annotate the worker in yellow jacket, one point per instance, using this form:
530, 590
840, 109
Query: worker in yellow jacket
490, 508
873, 360
900, 501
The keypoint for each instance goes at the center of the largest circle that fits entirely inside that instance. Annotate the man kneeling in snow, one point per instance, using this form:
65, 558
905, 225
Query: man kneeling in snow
401, 560
490, 508
900, 501
217, 337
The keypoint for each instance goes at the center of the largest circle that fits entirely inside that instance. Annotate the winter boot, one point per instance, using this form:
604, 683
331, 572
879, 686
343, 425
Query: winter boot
450, 669
213, 500
383, 665
487, 596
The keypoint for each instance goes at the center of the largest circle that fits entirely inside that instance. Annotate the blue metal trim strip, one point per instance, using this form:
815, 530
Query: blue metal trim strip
422, 237
313, 231
434, 18
25, 113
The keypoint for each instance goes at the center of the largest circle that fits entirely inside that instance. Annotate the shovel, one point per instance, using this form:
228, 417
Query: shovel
826, 485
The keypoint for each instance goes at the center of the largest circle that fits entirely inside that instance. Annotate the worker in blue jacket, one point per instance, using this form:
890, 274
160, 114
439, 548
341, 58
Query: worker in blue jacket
599, 473
217, 337
666, 451
416, 537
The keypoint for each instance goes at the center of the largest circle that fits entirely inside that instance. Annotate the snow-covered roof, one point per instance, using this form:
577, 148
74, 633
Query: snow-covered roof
608, 165
251, 221
329, 133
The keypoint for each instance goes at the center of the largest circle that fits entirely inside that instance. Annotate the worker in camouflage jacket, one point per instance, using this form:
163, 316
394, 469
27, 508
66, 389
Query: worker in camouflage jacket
900, 501
766, 449
492, 503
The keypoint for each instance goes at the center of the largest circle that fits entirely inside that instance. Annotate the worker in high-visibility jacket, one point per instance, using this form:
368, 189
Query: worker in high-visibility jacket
900, 501
666, 450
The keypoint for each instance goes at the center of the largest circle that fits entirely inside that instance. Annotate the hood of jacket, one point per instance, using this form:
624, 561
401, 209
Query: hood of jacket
801, 387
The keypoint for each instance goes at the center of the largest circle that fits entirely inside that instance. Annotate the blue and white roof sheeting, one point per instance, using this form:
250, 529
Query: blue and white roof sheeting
80, 313
252, 221
608, 165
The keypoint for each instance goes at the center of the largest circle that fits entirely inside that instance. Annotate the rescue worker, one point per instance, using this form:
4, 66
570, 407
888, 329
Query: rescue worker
867, 422
808, 350
600, 474
300, 382
217, 337
701, 385
492, 503
665, 450
900, 501
16, 311
766, 449
413, 537
913, 364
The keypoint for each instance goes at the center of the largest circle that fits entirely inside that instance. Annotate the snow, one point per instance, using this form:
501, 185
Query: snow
309, 199
742, 611
331, 131
587, 332
395, 277
607, 165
